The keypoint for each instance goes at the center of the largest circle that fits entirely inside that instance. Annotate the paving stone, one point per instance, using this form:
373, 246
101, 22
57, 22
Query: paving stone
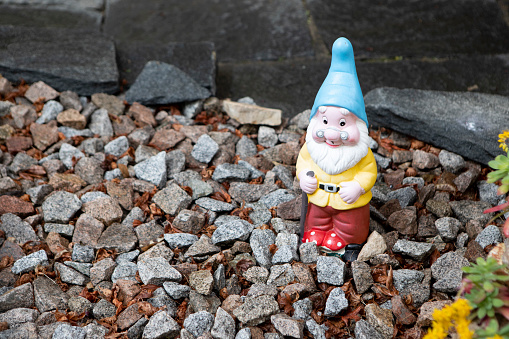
160, 325
119, 237
416, 250
231, 231
383, 110
105, 210
371, 31
156, 271
336, 302
30, 262
60, 207
289, 18
198, 323
256, 310
161, 83
14, 227
490, 235
48, 295
172, 199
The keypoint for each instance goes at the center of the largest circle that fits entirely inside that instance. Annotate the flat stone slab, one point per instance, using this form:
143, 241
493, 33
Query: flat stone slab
240, 29
467, 124
407, 28
79, 61
197, 59
292, 85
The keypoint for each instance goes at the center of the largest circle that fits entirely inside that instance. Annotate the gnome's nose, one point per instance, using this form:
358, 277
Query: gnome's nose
332, 134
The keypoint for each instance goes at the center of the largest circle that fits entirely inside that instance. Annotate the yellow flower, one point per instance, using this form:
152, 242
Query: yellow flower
452, 315
496, 337
503, 137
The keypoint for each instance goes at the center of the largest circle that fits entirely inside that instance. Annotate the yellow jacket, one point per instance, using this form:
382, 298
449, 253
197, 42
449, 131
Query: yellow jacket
364, 172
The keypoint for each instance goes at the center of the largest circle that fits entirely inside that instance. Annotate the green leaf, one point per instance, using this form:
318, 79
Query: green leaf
488, 286
504, 330
481, 313
492, 326
497, 303
502, 277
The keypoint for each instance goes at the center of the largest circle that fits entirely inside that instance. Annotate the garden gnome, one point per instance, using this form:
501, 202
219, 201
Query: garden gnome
336, 167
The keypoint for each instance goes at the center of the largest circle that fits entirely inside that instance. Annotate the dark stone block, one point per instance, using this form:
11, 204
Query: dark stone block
413, 28
464, 123
32, 16
197, 59
240, 29
79, 61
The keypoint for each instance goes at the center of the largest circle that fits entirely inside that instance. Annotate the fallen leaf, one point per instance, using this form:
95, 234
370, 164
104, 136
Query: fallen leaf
147, 309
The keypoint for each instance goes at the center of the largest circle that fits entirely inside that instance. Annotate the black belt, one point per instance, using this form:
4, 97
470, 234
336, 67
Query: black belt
330, 188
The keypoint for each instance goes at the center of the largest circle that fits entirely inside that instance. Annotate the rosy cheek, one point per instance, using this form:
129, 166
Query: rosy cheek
353, 135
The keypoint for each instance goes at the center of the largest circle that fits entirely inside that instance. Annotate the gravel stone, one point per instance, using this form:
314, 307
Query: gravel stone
281, 275
30, 262
362, 276
287, 326
214, 205
330, 270
447, 262
176, 290
488, 192
102, 270
48, 295
448, 228
38, 193
175, 162
21, 296
230, 172
246, 147
201, 281
117, 147
406, 196
59, 228
256, 310
416, 250
180, 240
450, 282
161, 325
119, 237
257, 275
231, 231
80, 305
309, 253
466, 210
189, 221
16, 228
70, 276
224, 325
172, 199
50, 112
106, 210
277, 197
205, 149
124, 271
403, 278
336, 302
490, 235
83, 268
100, 123
198, 323
82, 253
451, 162
60, 207
65, 330
156, 271
153, 170
103, 309
19, 316
260, 241
424, 160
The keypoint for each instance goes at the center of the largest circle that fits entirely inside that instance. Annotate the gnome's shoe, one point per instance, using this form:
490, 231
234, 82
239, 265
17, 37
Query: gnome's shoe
332, 242
314, 235
352, 252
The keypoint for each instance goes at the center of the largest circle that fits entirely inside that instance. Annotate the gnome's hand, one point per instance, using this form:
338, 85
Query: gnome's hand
308, 184
350, 191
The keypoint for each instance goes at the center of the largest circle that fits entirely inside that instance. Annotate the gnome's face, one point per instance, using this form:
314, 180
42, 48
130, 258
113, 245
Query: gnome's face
336, 139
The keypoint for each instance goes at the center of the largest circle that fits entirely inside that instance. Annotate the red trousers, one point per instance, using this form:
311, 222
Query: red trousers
350, 225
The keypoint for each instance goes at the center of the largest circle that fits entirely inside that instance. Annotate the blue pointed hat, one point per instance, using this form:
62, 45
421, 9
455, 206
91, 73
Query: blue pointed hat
341, 87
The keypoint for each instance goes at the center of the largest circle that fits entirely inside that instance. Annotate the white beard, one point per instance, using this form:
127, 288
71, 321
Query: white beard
337, 160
